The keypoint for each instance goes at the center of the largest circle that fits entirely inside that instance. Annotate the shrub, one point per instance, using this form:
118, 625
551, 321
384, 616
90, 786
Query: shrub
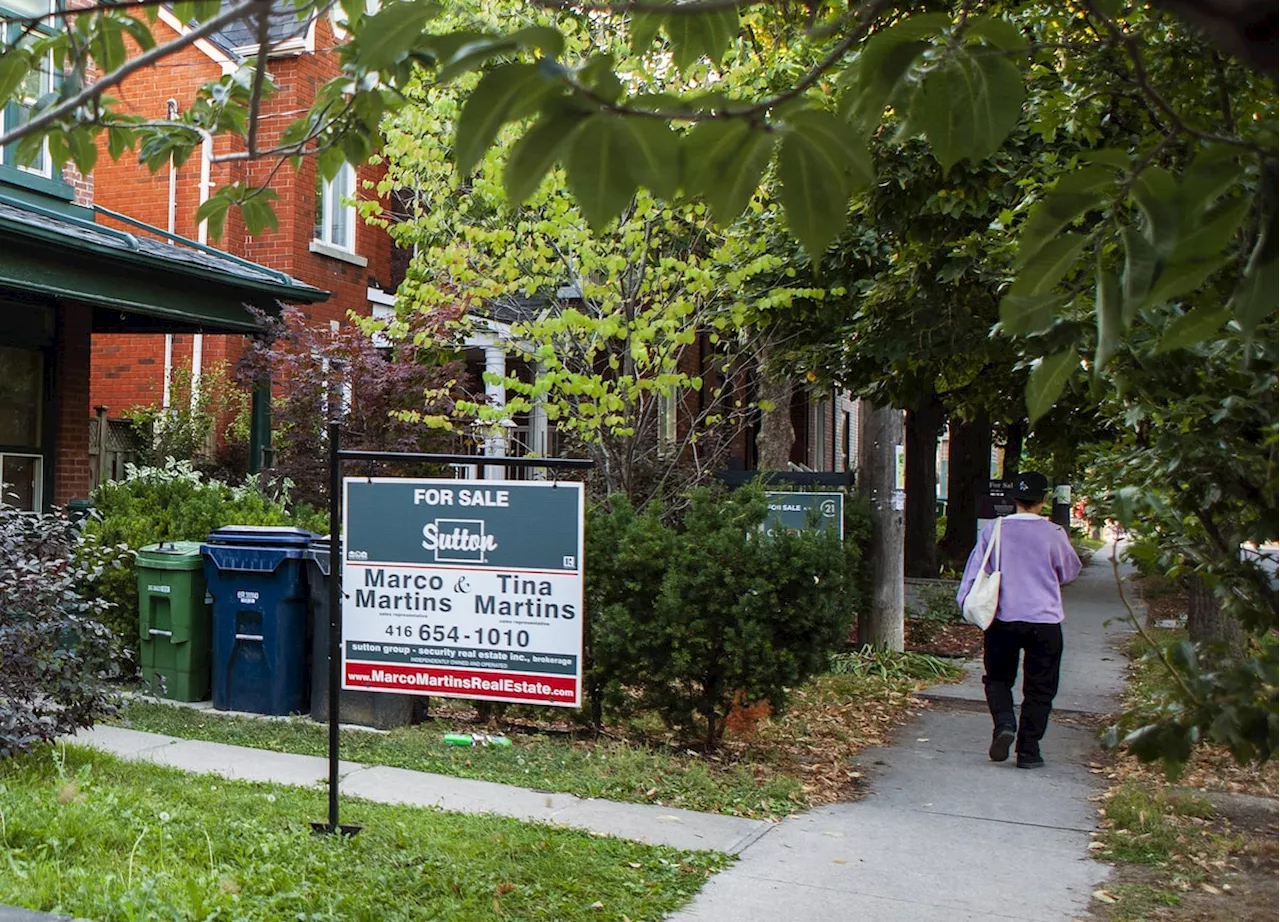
55, 651
320, 376
170, 503
687, 618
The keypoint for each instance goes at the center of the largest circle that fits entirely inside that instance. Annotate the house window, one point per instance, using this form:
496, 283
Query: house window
37, 83
21, 405
335, 214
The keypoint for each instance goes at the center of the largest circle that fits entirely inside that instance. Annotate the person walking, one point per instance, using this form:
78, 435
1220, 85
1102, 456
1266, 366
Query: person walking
1035, 559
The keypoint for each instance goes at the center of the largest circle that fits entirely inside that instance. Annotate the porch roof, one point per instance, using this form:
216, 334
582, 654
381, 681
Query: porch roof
135, 283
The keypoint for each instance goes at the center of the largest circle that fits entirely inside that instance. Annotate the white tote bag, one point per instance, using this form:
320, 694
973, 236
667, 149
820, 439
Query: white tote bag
984, 595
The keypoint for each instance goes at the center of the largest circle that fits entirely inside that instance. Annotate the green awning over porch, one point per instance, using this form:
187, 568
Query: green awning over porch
135, 283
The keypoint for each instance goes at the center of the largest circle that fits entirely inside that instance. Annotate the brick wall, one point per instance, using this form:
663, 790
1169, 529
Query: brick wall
71, 439
128, 369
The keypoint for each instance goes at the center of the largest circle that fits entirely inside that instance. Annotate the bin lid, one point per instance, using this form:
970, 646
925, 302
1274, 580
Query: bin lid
318, 553
261, 536
171, 555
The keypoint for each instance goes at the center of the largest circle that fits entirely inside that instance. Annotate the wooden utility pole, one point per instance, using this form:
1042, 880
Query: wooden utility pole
880, 622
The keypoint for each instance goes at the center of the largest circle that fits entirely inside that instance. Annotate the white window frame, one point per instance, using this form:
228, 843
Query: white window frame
328, 203
45, 169
37, 492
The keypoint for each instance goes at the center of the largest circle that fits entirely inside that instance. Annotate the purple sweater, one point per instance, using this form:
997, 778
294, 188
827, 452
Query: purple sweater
1036, 558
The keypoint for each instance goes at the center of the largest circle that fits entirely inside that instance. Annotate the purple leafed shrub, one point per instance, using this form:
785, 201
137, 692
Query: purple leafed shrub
378, 395
55, 654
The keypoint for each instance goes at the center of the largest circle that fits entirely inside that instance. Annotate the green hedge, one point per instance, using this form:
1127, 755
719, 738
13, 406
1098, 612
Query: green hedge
684, 617
172, 503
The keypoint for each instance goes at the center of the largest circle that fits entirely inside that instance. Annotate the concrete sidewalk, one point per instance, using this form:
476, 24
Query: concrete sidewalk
947, 836
655, 825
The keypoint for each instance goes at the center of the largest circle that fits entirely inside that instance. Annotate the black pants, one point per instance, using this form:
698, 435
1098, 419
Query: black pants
1001, 646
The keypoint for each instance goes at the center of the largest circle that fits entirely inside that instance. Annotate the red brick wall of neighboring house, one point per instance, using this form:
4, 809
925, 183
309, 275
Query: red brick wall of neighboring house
71, 404
128, 370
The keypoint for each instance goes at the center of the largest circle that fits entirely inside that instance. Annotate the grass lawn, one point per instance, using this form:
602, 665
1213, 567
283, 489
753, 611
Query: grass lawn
773, 768
85, 834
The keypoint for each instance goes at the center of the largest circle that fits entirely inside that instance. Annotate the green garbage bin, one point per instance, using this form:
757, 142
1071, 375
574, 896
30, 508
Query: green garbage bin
173, 620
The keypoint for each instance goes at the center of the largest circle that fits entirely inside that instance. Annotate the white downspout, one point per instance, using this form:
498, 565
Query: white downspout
202, 236
172, 112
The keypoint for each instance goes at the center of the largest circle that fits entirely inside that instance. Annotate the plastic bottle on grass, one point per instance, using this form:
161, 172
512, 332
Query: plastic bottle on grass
476, 739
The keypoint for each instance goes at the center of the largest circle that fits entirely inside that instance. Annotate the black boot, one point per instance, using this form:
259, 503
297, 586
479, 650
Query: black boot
1001, 739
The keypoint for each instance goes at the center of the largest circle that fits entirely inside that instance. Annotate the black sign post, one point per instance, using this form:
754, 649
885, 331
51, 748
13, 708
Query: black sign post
336, 457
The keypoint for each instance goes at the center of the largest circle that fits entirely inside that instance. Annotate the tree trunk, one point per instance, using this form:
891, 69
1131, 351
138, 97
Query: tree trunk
923, 424
777, 434
1014, 436
880, 622
1206, 621
968, 473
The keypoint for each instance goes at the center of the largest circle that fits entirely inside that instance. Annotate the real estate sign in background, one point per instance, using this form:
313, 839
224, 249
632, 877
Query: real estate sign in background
804, 511
463, 589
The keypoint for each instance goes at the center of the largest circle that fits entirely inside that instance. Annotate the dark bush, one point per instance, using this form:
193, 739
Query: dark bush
55, 653
685, 619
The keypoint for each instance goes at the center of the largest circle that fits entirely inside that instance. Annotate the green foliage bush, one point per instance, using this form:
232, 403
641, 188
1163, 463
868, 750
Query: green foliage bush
55, 654
171, 503
684, 618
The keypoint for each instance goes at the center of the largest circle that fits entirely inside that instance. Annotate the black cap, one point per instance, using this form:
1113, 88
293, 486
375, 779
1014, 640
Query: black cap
1030, 486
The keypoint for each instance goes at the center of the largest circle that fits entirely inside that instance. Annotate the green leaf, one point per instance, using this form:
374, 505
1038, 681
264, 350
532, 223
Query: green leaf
884, 59
999, 33
387, 35
486, 109
84, 150
119, 140
1047, 379
1073, 195
1042, 272
1156, 194
108, 48
141, 33
214, 210
644, 27
1215, 170
1023, 315
532, 156
820, 161
1110, 157
1193, 327
696, 33
1108, 309
598, 174
1175, 281
1212, 236
15, 64
1140, 263
1257, 296
967, 106
654, 155
727, 158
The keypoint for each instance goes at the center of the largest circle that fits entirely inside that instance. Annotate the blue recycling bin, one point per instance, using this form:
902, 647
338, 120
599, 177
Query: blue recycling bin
257, 578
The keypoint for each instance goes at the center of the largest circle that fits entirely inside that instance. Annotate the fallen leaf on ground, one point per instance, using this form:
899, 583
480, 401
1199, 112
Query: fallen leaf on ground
1102, 896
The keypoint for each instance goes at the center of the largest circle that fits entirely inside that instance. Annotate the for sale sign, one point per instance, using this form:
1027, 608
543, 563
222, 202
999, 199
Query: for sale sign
463, 589
805, 511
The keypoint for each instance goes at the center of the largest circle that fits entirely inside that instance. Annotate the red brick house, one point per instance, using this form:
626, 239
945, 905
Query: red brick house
320, 241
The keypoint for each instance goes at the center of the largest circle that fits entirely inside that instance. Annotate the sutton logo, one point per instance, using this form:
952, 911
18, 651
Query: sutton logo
458, 540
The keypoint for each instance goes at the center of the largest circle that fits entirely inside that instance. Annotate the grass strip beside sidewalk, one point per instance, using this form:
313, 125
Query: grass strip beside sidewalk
773, 768
86, 834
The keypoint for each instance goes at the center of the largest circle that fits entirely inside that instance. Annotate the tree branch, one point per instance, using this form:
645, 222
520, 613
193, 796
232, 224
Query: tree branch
259, 80
869, 14
120, 74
